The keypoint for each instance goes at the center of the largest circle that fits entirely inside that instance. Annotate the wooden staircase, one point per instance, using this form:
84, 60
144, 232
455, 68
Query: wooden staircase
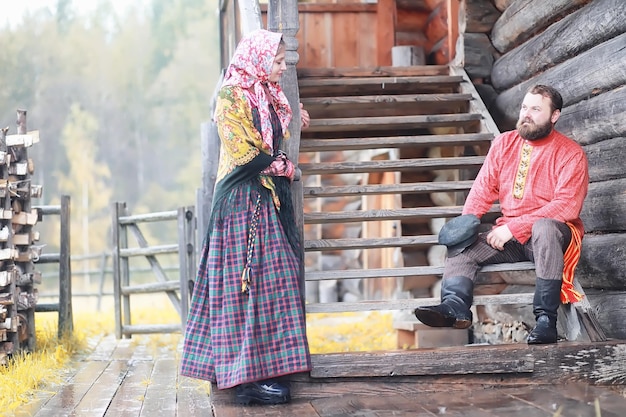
391, 152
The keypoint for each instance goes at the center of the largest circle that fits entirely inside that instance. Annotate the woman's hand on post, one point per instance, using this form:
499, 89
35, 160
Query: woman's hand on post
305, 118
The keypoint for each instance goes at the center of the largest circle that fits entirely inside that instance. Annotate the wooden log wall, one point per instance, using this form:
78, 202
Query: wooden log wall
18, 277
579, 47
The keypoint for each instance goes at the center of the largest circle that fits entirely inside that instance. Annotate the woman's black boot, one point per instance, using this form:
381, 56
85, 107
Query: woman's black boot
262, 392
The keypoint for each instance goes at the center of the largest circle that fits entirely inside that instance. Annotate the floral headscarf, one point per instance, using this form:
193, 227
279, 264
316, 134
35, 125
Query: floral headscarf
250, 67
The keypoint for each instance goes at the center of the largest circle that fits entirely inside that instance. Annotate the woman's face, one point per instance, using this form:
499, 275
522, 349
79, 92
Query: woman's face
279, 65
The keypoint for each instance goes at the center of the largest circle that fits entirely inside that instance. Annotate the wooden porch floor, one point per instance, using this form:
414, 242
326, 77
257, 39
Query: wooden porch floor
124, 378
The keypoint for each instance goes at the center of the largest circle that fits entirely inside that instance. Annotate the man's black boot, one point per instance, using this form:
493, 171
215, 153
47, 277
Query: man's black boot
457, 294
545, 306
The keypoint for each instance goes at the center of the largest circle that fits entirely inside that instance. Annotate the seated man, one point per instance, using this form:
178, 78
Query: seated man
540, 177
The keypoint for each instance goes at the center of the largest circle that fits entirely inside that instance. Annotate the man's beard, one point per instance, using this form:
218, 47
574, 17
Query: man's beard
532, 131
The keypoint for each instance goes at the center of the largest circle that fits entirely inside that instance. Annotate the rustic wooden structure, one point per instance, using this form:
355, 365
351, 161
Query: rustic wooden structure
18, 277
123, 378
64, 304
177, 290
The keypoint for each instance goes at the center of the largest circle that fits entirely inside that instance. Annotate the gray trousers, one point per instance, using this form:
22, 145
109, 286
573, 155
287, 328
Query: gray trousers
549, 241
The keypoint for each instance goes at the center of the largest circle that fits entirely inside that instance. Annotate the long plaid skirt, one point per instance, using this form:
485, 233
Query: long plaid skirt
231, 337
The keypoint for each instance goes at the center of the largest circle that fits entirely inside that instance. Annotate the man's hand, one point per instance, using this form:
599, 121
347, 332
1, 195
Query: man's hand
305, 118
499, 236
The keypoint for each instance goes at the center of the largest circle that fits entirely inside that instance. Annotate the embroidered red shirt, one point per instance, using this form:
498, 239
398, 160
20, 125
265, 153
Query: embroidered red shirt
555, 184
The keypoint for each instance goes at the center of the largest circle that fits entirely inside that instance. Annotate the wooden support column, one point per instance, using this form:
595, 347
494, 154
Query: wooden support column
453, 28
282, 16
385, 30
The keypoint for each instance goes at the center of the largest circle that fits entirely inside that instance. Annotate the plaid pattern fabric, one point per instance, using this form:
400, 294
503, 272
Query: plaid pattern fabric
231, 337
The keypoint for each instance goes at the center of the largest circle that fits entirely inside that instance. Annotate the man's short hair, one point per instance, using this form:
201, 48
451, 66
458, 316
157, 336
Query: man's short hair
556, 101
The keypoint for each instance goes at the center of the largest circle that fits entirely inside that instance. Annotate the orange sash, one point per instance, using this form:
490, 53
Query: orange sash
570, 260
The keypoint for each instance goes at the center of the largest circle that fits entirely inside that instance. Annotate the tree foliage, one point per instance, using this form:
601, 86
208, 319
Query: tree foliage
118, 98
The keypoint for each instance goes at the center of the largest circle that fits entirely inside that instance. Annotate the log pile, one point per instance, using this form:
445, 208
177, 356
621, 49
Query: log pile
18, 277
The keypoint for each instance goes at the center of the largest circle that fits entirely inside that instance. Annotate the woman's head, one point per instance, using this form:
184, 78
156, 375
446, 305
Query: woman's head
258, 57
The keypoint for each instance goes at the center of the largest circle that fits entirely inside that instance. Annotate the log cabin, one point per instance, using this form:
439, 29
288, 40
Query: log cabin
405, 97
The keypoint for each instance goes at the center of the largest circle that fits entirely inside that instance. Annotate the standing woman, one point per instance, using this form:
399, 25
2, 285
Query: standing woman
246, 324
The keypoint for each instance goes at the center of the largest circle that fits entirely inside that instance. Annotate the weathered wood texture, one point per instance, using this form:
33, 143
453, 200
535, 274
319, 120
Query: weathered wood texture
597, 22
585, 75
523, 18
123, 378
597, 118
606, 159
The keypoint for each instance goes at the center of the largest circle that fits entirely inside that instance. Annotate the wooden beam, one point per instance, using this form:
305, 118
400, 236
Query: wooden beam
385, 30
523, 19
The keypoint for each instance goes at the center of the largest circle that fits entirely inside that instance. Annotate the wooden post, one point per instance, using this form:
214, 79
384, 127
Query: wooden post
453, 28
66, 321
385, 30
117, 273
250, 13
210, 150
282, 16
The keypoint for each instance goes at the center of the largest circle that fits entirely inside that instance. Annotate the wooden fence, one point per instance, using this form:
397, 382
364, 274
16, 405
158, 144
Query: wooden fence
122, 223
64, 304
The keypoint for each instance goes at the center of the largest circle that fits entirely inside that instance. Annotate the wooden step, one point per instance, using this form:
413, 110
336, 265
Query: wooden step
386, 123
411, 304
380, 215
406, 272
332, 145
386, 105
401, 165
325, 245
378, 189
342, 72
355, 86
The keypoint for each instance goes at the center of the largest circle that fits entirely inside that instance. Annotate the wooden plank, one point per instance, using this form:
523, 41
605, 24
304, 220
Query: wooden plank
377, 189
385, 30
600, 253
428, 362
129, 398
478, 403
411, 304
192, 399
310, 87
605, 400
385, 214
295, 408
150, 328
325, 245
522, 19
382, 71
149, 251
344, 27
602, 20
554, 363
70, 394
553, 398
386, 105
148, 218
353, 405
362, 143
377, 125
410, 165
151, 287
160, 399
408, 271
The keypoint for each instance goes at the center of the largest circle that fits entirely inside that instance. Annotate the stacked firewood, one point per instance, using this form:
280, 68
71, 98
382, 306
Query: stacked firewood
18, 277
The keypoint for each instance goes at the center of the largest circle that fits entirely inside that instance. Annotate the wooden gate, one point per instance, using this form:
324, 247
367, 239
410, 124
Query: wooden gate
177, 290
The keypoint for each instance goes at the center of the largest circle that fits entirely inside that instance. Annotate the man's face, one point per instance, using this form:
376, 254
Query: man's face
536, 117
